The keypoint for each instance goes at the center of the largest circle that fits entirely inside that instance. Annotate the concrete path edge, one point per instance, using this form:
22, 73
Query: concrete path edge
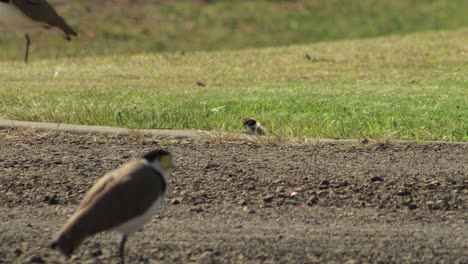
83, 129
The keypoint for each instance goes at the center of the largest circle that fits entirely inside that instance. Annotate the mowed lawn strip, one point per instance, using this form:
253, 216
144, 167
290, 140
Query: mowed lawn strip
399, 87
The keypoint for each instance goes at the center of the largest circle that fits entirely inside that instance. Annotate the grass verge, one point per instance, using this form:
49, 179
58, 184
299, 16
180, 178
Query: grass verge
403, 87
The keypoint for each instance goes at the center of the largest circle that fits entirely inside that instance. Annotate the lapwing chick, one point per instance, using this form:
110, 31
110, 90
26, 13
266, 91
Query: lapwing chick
252, 127
122, 201
31, 16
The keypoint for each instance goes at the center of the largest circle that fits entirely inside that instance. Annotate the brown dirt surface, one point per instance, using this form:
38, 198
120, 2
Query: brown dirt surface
230, 202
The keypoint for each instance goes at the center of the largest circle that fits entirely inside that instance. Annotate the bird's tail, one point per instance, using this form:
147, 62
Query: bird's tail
65, 30
68, 31
68, 239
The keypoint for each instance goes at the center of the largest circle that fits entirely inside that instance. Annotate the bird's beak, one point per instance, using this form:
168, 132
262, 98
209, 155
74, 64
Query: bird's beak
167, 163
173, 166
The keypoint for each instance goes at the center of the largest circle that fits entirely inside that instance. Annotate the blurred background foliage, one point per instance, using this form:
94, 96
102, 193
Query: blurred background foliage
109, 27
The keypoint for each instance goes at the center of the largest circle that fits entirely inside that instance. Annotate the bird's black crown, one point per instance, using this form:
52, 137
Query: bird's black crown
250, 122
155, 154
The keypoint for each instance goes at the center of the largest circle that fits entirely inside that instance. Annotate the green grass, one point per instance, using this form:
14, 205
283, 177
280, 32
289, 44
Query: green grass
401, 87
107, 28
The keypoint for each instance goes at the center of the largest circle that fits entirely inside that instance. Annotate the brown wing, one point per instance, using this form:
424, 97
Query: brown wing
41, 11
116, 198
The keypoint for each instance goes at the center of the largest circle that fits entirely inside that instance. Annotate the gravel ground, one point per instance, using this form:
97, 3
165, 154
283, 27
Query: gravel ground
230, 201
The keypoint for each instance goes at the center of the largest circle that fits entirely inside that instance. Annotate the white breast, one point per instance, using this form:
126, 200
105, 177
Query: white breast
136, 223
12, 18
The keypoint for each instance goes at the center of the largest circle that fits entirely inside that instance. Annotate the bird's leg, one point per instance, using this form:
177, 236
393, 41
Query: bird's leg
121, 249
26, 54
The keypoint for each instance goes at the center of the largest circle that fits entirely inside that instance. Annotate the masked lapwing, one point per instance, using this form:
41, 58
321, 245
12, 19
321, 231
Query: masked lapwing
252, 127
123, 200
31, 16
